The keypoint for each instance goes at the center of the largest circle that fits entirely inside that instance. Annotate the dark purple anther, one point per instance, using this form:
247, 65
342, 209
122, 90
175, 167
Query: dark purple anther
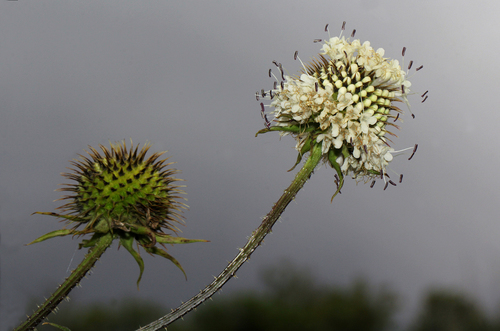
414, 150
268, 125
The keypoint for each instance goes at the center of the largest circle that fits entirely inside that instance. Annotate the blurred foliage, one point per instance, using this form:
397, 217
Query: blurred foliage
291, 300
447, 310
128, 314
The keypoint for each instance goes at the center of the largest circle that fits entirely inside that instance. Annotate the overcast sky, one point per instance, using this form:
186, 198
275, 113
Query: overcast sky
183, 76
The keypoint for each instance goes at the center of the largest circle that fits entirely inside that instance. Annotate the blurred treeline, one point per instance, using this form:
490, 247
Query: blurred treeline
292, 300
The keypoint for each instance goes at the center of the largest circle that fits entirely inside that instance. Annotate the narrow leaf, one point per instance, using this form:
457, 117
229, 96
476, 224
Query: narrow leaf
332, 158
128, 242
60, 327
57, 233
306, 148
68, 217
166, 239
161, 252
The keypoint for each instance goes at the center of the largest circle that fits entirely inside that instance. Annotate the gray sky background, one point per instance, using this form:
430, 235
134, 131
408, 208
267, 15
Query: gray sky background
183, 76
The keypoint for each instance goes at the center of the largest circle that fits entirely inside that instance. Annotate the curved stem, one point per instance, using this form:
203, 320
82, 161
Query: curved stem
63, 290
253, 242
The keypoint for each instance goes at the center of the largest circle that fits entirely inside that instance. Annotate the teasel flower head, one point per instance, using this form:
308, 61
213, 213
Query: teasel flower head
123, 192
346, 100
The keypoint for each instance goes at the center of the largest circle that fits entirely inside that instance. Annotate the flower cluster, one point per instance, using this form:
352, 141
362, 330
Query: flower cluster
343, 100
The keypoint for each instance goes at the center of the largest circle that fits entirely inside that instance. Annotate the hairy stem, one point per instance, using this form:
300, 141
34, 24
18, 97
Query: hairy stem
63, 290
253, 242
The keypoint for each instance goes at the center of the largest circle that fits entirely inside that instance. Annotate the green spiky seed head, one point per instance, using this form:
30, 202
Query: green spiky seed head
122, 188
124, 193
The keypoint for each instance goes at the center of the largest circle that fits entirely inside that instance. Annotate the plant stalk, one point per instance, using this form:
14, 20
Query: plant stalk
253, 242
63, 290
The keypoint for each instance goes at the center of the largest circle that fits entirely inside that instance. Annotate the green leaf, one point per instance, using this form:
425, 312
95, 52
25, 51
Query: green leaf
127, 241
92, 241
332, 158
68, 217
57, 233
306, 148
58, 326
161, 252
167, 239
139, 229
292, 128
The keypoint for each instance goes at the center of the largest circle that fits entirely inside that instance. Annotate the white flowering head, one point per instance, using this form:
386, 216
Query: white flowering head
344, 100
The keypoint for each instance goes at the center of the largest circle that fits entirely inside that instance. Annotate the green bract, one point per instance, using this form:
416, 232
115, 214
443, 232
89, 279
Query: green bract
123, 193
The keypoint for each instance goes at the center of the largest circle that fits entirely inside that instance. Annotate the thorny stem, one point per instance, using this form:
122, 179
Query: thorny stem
253, 242
63, 290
